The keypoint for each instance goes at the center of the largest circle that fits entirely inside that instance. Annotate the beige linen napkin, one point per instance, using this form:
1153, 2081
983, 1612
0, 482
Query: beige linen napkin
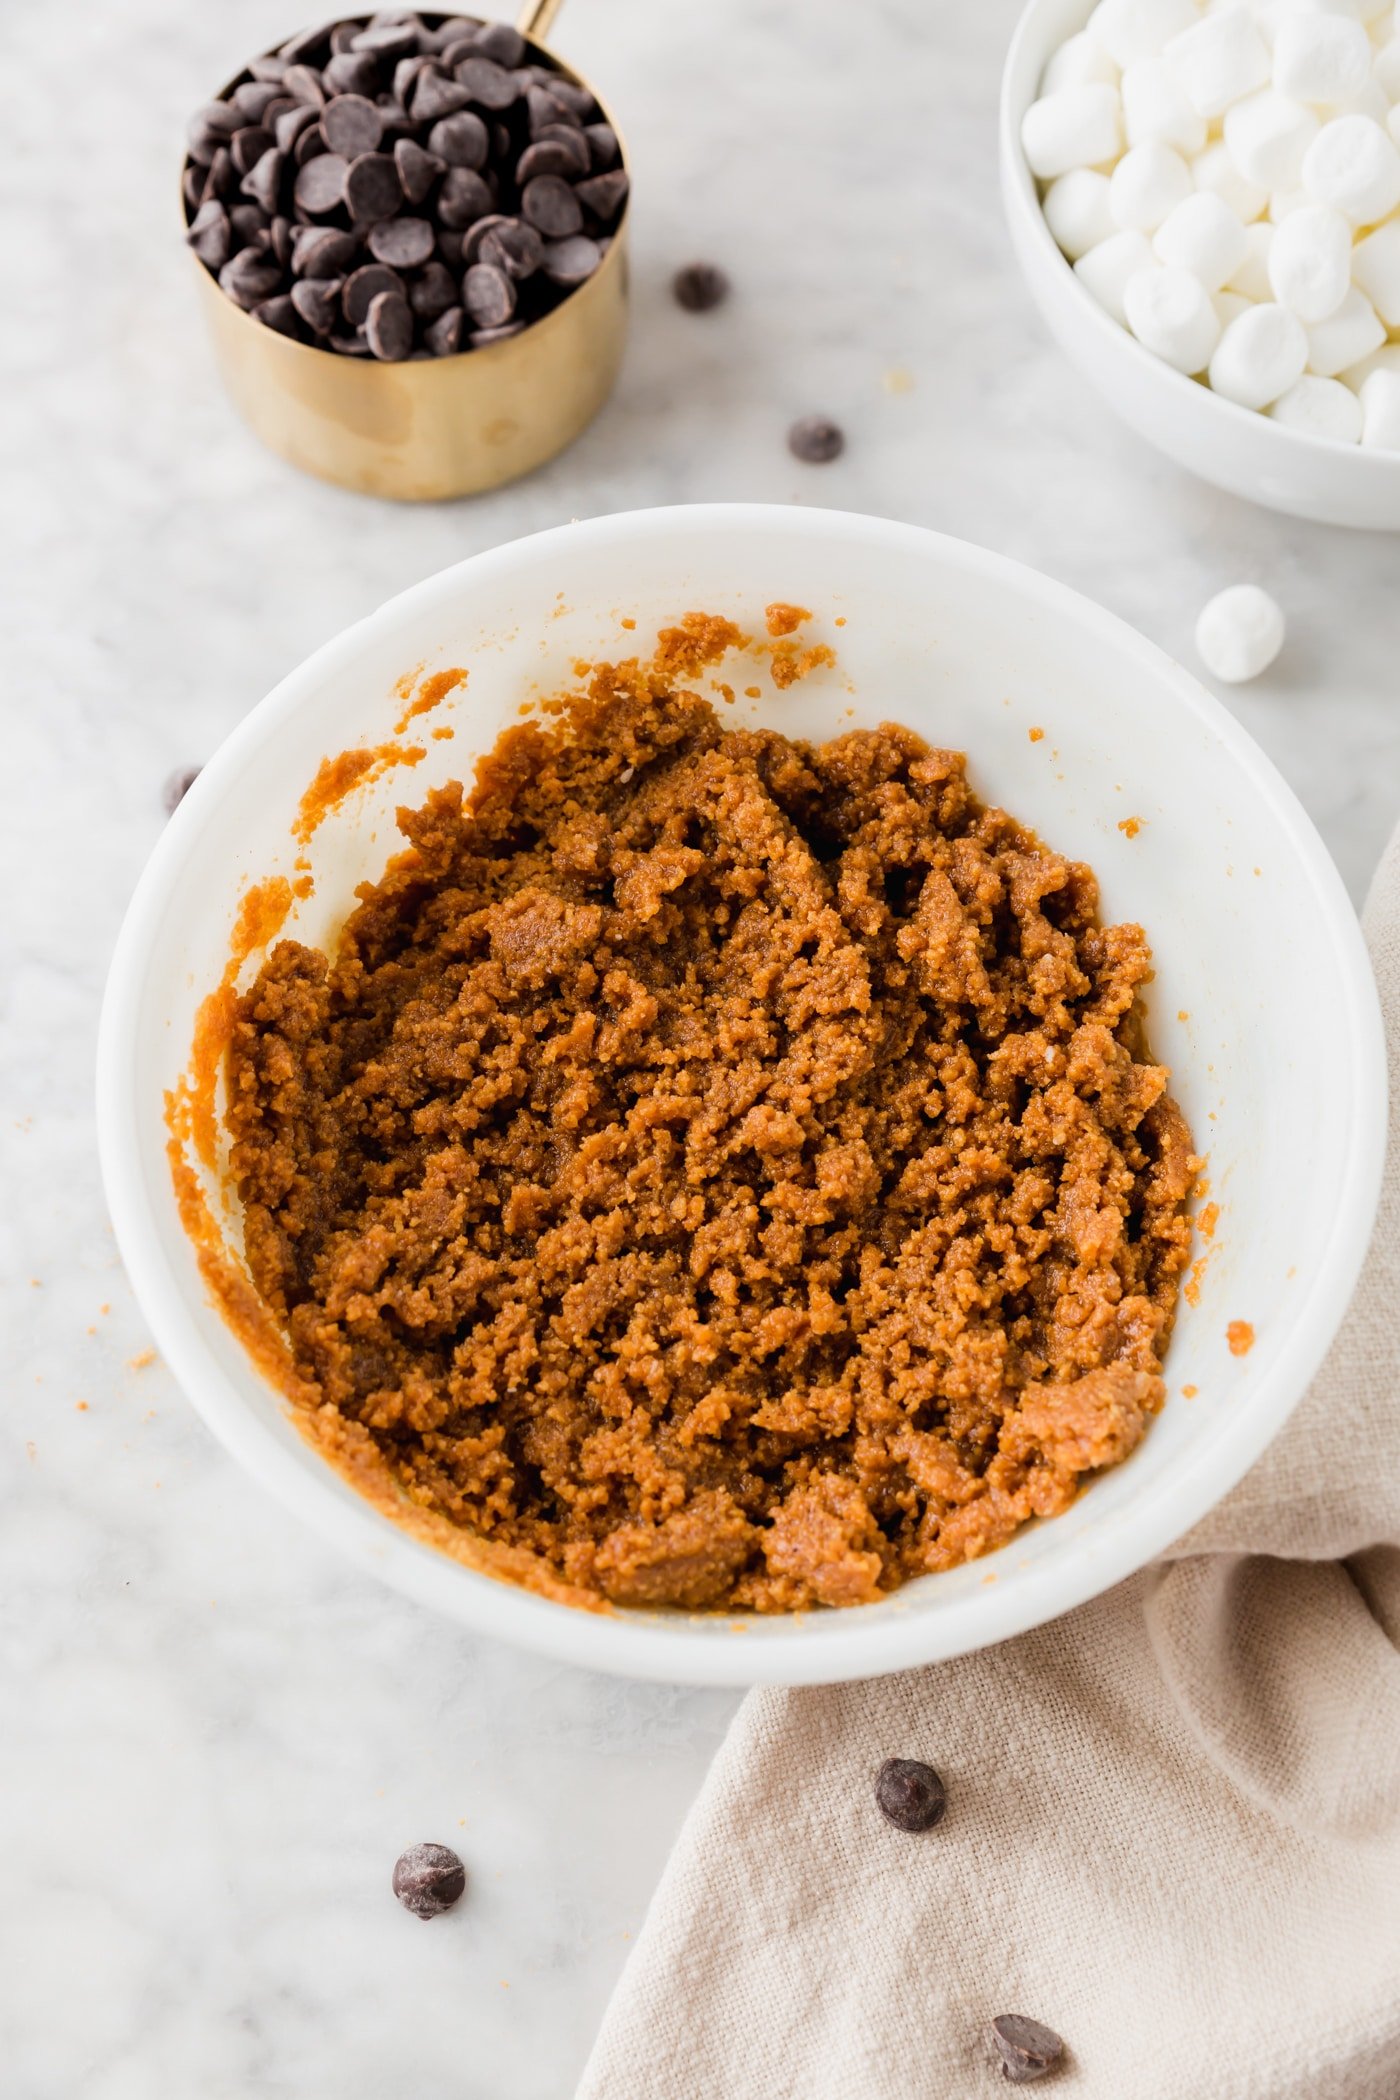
1173, 1831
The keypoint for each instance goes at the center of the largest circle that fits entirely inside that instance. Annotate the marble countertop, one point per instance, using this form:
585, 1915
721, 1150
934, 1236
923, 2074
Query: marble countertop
214, 1737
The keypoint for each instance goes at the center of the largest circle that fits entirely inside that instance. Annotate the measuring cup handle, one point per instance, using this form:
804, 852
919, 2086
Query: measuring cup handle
536, 18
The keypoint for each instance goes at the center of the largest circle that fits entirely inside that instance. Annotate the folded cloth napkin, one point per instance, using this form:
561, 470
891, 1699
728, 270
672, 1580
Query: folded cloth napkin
1173, 1831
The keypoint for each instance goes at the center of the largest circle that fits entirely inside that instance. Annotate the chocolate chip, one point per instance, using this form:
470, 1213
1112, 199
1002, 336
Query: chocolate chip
303, 84
178, 786
488, 295
252, 98
389, 327
429, 1879
292, 124
602, 144
372, 188
480, 338
418, 171
444, 335
500, 41
317, 300
281, 232
352, 73
193, 186
476, 234
221, 177
280, 314
280, 106
450, 246
699, 286
574, 98
572, 261
343, 36
350, 345
487, 83
249, 279
397, 121
322, 251
1027, 2049
390, 40
363, 287
249, 145
816, 439
306, 44
320, 183
210, 235
604, 195
513, 247
403, 242
569, 141
265, 179
551, 207
910, 1795
544, 157
433, 291
461, 140
463, 197
250, 228
309, 145
211, 127
545, 108
352, 125
405, 73
268, 67
435, 97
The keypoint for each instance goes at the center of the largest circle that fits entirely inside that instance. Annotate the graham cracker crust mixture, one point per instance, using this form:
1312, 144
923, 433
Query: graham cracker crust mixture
725, 1168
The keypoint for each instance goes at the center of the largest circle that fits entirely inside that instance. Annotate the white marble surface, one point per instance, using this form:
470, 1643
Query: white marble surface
214, 1738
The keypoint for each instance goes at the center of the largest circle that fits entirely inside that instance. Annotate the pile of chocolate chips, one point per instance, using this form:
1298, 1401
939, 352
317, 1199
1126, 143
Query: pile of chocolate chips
409, 186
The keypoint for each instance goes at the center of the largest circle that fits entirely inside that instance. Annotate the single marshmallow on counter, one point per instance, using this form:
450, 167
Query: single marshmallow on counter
1170, 313
1076, 127
1321, 58
1148, 182
1352, 165
1345, 337
1079, 62
1267, 136
1215, 171
1239, 633
1107, 270
1380, 411
1310, 262
1375, 266
1219, 59
1130, 29
1251, 276
1259, 356
1077, 213
1203, 235
1320, 408
1155, 106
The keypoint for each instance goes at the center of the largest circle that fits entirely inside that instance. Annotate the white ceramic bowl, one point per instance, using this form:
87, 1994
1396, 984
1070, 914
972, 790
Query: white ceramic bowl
1263, 1004
1248, 454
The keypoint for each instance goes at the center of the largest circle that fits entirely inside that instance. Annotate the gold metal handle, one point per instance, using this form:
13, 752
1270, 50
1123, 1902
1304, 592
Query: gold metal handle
536, 18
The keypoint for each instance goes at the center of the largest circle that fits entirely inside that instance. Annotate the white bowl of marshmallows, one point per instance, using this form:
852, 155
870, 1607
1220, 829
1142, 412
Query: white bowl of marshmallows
1205, 198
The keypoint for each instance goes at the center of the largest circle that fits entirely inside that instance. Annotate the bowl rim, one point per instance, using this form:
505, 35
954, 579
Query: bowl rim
1019, 186
813, 1648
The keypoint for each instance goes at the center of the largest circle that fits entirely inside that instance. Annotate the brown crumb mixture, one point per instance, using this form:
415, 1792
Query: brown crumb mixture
725, 1168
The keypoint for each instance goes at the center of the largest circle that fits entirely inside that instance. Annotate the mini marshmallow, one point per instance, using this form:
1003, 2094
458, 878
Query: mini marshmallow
1077, 213
1345, 337
1219, 59
1284, 203
1076, 127
1229, 306
1155, 106
1251, 277
1352, 165
1106, 270
1310, 262
1386, 359
1321, 58
1268, 135
1203, 235
1392, 124
1380, 411
1079, 62
1385, 69
1372, 101
1148, 182
1170, 313
1215, 171
1375, 266
1129, 29
1320, 408
1239, 633
1259, 356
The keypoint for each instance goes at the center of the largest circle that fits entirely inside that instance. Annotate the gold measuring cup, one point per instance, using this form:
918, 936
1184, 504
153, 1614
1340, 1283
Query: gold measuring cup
435, 427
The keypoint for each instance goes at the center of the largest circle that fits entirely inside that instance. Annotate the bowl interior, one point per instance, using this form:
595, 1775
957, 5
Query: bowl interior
1262, 1003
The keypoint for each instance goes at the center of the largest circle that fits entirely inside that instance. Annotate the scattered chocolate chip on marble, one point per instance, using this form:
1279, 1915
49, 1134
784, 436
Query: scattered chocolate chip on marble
403, 143
699, 286
1027, 2049
429, 1879
910, 1795
178, 786
816, 439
